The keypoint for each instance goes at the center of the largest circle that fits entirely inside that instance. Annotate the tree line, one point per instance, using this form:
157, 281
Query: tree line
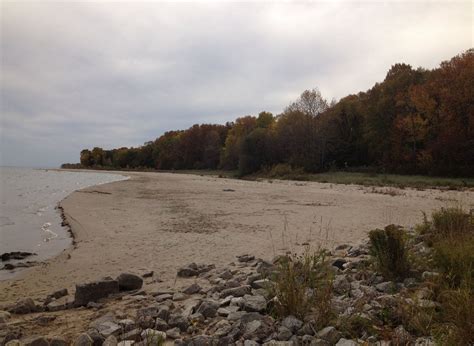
416, 121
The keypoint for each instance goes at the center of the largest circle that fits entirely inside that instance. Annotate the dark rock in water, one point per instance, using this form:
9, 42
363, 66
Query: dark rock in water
129, 282
16, 255
24, 306
93, 291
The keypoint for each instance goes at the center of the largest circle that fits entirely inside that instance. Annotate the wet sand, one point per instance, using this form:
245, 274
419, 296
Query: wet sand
161, 221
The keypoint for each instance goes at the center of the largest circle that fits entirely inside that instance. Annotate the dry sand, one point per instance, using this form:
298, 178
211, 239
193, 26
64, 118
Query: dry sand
161, 221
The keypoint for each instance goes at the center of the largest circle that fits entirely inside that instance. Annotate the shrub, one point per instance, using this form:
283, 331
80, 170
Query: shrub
451, 222
303, 285
388, 247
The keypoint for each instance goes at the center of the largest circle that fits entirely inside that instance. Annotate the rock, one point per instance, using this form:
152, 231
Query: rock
194, 270
129, 282
83, 340
429, 275
178, 296
292, 323
223, 328
262, 283
235, 316
386, 287
245, 258
410, 282
424, 342
58, 341
56, 295
193, 289
35, 341
93, 291
284, 334
264, 268
341, 285
59, 304
148, 274
161, 325
346, 342
187, 272
127, 324
226, 274
4, 316
339, 263
133, 335
236, 291
13, 342
279, 343
307, 329
24, 306
110, 341
97, 339
330, 334
173, 333
176, 320
401, 336
196, 318
208, 308
163, 297
254, 303
153, 337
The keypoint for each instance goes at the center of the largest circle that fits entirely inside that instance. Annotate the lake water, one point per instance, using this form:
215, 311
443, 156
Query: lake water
29, 220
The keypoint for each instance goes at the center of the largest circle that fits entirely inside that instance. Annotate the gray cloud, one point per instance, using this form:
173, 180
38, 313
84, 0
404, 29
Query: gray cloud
76, 75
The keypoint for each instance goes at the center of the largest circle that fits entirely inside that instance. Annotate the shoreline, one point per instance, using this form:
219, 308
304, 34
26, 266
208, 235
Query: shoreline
162, 221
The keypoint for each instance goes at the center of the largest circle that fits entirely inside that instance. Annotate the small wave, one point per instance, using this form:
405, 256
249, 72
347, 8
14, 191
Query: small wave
49, 235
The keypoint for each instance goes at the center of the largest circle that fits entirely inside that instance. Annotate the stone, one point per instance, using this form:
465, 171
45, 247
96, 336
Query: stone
58, 304
236, 291
83, 340
223, 328
173, 333
208, 308
346, 342
330, 334
424, 342
24, 306
94, 305
264, 268
386, 287
129, 282
254, 303
161, 325
4, 316
93, 291
13, 342
279, 343
163, 297
226, 274
177, 320
56, 295
235, 316
307, 329
153, 337
339, 263
284, 334
341, 285
400, 336
193, 289
178, 296
245, 258
148, 274
262, 283
429, 275
133, 334
35, 341
292, 323
110, 341
57, 341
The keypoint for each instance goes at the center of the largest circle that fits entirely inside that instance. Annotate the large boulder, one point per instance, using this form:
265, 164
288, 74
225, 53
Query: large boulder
129, 282
93, 291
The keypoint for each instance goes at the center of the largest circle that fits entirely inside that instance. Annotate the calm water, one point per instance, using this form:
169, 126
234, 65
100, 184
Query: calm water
29, 220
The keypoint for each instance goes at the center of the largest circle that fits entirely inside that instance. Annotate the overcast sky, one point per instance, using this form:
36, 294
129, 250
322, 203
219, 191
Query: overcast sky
109, 74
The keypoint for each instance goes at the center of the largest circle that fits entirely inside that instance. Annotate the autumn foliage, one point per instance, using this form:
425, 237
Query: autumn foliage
414, 121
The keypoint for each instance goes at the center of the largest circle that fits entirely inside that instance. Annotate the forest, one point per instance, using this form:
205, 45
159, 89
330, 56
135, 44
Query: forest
416, 121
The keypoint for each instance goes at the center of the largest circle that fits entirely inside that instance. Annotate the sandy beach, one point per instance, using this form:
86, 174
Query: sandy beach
161, 221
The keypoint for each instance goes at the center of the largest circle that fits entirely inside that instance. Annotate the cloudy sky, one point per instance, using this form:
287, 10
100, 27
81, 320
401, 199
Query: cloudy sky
110, 74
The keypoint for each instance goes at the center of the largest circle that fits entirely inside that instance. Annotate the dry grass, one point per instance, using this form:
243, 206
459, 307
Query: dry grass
303, 286
388, 248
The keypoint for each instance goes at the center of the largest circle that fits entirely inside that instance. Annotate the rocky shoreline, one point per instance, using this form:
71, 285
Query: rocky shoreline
227, 305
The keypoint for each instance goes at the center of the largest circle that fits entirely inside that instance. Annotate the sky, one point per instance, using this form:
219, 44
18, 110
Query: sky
77, 75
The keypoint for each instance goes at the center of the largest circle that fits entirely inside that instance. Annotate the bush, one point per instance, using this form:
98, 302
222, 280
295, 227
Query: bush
451, 222
303, 285
388, 247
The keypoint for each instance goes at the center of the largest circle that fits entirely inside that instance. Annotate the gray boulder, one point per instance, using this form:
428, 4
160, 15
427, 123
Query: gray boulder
254, 303
330, 334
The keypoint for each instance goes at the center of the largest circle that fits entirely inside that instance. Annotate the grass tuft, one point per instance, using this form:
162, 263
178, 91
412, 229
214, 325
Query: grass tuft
388, 248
